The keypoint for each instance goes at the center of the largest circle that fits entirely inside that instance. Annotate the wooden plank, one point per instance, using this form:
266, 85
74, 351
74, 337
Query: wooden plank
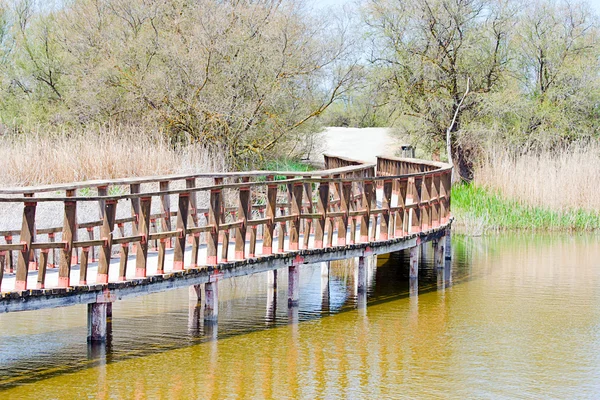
141, 259
68, 236
243, 216
322, 208
214, 219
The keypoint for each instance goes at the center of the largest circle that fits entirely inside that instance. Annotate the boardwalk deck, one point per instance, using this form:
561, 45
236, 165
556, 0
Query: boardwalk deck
350, 209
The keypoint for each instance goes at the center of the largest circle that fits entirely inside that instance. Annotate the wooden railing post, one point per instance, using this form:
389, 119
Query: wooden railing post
243, 215
401, 214
141, 260
384, 228
322, 208
41, 278
68, 236
309, 209
106, 234
214, 219
26, 238
435, 198
416, 210
83, 265
425, 203
10, 268
124, 255
270, 215
134, 188
191, 183
296, 210
345, 191
366, 203
182, 220
165, 209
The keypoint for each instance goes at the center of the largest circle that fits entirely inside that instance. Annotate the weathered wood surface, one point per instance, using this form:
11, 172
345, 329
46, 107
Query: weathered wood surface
341, 203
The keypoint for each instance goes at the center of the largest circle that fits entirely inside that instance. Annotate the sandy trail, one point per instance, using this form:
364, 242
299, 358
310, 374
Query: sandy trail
359, 143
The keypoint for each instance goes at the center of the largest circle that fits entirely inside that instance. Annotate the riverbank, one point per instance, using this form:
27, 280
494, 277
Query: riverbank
548, 190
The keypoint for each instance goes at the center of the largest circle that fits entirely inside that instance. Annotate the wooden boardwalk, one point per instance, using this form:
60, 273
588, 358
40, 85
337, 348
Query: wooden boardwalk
215, 226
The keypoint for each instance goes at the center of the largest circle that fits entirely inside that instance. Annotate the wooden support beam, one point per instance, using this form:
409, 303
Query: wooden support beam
414, 262
293, 285
211, 301
362, 275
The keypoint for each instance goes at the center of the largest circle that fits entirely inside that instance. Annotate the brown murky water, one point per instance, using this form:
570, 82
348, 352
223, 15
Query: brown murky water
519, 317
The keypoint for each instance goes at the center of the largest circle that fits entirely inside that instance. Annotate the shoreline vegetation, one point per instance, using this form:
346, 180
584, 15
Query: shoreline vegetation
542, 191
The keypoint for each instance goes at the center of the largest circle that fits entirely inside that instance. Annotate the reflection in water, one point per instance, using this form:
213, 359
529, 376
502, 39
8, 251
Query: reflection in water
515, 316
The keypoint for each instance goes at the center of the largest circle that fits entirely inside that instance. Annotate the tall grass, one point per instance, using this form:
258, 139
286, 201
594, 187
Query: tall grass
558, 180
549, 190
97, 154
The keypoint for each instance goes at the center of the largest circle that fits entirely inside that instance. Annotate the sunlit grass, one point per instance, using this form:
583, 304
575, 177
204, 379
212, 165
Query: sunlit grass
478, 210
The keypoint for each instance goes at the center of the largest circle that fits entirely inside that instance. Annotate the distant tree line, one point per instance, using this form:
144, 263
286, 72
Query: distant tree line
254, 78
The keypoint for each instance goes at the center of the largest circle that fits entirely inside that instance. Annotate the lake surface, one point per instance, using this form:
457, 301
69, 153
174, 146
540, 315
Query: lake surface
517, 316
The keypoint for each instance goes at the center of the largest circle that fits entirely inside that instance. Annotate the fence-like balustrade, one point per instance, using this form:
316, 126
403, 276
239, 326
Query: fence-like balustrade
221, 216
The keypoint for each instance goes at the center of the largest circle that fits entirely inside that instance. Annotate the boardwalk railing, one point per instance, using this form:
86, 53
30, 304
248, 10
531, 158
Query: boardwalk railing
255, 214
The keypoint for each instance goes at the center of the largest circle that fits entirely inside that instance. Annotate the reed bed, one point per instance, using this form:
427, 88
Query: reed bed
547, 190
103, 153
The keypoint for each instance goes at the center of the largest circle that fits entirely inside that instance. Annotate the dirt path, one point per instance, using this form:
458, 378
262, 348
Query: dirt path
359, 143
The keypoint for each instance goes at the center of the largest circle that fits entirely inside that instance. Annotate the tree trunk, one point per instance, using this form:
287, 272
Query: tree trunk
463, 165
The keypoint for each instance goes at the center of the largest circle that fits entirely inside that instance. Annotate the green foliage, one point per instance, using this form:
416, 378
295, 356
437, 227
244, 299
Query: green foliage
497, 213
247, 79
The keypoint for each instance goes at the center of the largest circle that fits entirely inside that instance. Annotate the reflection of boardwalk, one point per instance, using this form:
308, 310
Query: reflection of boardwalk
351, 209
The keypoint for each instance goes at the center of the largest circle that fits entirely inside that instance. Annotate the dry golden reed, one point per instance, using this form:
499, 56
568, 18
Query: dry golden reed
556, 180
103, 153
